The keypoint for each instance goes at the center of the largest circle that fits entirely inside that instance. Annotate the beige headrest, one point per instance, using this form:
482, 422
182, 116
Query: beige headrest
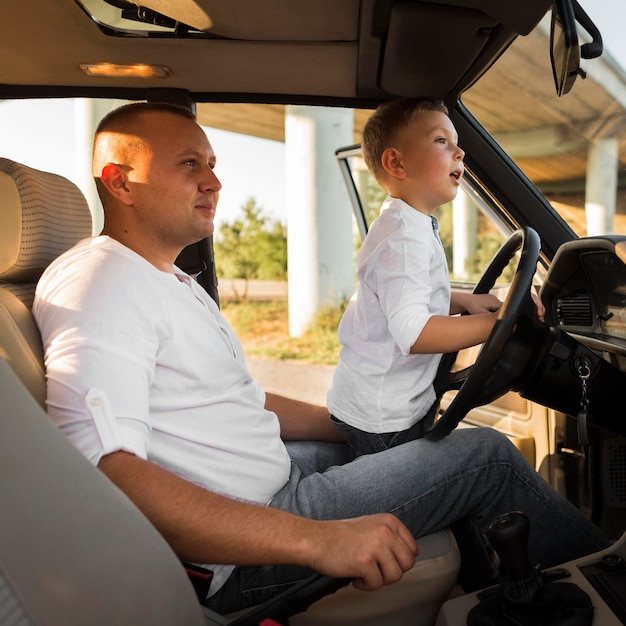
41, 216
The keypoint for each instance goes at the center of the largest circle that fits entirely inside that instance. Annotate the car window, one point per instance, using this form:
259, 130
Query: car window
471, 228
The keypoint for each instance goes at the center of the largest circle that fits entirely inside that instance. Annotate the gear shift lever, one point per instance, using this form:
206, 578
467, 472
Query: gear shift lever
524, 596
508, 535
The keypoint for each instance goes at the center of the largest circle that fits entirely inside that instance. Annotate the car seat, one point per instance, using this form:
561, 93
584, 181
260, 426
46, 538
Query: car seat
42, 215
73, 548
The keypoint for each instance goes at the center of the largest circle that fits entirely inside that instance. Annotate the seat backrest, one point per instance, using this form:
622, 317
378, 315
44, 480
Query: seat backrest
73, 548
41, 216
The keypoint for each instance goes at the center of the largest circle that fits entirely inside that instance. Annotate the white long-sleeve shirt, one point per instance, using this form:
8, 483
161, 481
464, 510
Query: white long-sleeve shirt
142, 360
378, 386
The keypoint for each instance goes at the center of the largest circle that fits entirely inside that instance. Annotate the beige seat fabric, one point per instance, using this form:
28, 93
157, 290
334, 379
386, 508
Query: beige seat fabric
41, 216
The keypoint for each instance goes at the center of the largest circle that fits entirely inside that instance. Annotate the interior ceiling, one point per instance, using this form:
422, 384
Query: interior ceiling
506, 100
270, 51
346, 53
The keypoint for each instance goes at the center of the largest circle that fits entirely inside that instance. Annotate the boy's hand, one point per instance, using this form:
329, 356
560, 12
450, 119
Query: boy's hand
483, 303
541, 310
474, 303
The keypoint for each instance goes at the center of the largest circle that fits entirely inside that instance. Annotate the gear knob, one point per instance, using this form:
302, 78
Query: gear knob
508, 535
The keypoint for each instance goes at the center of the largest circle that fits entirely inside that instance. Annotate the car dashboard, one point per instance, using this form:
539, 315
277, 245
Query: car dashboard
585, 292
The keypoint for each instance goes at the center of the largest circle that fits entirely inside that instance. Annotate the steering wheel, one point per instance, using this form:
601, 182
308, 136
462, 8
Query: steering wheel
503, 357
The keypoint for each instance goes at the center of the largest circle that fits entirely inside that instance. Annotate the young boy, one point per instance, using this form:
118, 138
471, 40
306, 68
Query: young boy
399, 322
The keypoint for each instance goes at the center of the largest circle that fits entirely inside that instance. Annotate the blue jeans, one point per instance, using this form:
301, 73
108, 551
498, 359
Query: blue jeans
476, 474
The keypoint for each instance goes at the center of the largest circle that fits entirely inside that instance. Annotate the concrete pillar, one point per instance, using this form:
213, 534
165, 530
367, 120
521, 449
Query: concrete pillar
601, 186
464, 234
319, 216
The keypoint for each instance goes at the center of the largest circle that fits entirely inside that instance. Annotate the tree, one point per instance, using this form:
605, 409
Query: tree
252, 247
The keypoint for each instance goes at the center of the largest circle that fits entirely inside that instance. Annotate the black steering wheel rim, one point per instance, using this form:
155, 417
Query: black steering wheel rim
517, 304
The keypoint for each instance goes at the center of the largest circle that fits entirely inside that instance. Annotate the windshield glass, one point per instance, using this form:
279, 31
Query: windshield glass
573, 147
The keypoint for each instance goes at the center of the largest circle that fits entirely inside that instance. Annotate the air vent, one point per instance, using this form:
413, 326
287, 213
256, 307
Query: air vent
614, 473
574, 310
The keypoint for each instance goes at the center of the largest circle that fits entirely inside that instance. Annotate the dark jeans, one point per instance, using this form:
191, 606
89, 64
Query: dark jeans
368, 443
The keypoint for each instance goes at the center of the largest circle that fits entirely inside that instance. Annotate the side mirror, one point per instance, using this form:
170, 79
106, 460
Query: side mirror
565, 52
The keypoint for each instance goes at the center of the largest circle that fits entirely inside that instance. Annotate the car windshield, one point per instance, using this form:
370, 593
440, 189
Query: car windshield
574, 147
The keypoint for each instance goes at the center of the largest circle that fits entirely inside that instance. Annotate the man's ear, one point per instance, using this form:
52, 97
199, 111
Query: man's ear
113, 177
392, 163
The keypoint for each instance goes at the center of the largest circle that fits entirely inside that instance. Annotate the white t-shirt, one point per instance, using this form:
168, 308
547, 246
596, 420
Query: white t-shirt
378, 385
142, 360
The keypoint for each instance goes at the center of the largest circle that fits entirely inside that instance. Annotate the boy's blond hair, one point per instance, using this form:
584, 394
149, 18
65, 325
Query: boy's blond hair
387, 122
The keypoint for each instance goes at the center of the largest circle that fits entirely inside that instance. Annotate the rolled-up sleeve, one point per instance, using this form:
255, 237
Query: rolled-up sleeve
404, 288
99, 366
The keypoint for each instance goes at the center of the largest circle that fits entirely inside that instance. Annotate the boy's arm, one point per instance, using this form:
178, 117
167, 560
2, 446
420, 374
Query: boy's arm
443, 334
473, 303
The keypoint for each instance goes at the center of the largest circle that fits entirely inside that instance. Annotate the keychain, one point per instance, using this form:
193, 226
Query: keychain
583, 367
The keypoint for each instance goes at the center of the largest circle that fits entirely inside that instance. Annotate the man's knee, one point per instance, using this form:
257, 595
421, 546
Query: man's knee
490, 442
499, 446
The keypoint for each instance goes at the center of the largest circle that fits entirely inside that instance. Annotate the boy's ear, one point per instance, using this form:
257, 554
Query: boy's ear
113, 177
392, 163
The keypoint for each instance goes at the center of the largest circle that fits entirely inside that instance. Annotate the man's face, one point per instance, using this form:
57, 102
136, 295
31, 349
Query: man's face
432, 159
175, 190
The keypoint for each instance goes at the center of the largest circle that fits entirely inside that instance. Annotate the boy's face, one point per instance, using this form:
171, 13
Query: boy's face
430, 162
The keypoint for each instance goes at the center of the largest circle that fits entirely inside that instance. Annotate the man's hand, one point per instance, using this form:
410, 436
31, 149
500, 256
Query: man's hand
375, 550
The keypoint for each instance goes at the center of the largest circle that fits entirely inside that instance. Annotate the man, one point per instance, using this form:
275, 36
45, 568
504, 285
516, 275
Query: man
148, 380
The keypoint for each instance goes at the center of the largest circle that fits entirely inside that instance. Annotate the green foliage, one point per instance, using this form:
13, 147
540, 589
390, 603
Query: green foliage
252, 246
444, 215
263, 329
489, 242
375, 196
328, 317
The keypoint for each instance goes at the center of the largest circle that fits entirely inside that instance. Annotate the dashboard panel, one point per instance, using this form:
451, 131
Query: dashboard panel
585, 289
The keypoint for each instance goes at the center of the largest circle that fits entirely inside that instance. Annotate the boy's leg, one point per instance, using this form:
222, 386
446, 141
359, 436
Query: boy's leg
370, 443
360, 441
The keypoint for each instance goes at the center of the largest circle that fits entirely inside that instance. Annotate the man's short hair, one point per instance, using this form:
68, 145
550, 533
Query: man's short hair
387, 122
129, 112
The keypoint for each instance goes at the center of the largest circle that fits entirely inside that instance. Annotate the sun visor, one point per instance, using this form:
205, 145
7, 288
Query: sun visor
420, 61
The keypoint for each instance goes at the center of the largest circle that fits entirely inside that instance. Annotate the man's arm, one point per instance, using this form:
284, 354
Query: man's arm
204, 527
301, 421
